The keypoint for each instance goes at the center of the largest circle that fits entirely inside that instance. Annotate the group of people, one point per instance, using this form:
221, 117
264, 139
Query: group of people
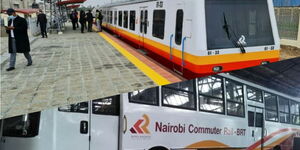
86, 20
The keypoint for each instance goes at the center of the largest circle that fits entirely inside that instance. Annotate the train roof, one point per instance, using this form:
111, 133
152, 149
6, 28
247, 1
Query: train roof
283, 76
126, 3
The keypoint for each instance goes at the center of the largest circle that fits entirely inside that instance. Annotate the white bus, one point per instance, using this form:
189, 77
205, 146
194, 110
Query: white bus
216, 112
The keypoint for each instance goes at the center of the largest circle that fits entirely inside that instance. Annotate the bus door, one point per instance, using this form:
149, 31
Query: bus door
71, 127
105, 123
255, 123
143, 25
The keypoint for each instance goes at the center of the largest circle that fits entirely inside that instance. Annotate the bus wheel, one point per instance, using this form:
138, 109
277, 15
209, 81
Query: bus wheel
277, 148
158, 148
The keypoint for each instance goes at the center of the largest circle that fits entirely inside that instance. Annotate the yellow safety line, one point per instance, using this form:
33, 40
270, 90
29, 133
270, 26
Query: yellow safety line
157, 78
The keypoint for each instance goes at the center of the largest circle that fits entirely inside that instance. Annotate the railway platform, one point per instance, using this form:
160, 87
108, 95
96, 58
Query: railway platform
75, 67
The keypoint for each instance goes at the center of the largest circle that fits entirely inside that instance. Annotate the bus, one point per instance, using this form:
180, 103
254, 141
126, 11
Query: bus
216, 112
198, 37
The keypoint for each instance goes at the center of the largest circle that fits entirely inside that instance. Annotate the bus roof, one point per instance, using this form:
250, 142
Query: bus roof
283, 76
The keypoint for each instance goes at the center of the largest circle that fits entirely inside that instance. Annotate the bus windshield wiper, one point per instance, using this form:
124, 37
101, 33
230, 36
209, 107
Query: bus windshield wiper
239, 42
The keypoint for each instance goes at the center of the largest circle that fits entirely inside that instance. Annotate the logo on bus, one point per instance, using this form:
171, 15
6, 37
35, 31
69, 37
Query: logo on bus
141, 126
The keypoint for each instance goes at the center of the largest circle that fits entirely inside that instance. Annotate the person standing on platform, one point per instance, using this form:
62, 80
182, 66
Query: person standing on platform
100, 17
73, 17
76, 19
82, 20
90, 19
42, 20
18, 40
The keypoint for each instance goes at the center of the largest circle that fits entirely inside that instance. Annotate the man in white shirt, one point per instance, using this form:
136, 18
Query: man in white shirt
18, 38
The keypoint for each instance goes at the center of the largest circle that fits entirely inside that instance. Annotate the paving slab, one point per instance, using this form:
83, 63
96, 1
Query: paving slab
68, 68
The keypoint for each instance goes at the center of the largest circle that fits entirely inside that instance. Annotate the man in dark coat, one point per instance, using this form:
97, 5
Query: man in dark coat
74, 19
89, 19
42, 20
18, 40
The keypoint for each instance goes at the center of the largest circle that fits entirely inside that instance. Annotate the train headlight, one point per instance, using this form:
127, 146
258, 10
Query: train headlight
217, 69
265, 62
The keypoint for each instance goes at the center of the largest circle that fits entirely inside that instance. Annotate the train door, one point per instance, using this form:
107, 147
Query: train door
143, 25
105, 124
176, 39
72, 127
256, 124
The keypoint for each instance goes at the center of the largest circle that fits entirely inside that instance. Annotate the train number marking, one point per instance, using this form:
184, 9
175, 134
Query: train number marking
159, 4
213, 52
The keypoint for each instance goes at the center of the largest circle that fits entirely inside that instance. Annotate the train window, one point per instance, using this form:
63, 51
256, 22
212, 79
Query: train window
75, 108
158, 29
228, 21
120, 18
254, 94
132, 20
115, 17
235, 98
107, 106
179, 95
251, 118
125, 19
295, 112
148, 96
179, 26
22, 126
110, 17
211, 94
284, 110
271, 107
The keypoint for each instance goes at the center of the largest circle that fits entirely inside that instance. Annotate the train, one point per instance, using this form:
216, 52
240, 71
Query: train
198, 37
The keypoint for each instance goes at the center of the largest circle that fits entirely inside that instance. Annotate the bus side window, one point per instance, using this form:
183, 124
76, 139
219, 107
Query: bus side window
250, 119
235, 98
271, 107
284, 110
211, 94
254, 94
148, 96
179, 95
22, 126
259, 120
107, 106
295, 112
75, 108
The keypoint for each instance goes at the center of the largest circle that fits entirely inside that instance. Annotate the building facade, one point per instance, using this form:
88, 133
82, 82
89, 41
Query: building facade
21, 4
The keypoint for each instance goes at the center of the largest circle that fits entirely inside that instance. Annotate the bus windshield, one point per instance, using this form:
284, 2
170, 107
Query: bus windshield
237, 22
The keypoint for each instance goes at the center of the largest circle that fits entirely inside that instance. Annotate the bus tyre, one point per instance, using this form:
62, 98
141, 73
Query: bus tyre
277, 148
158, 148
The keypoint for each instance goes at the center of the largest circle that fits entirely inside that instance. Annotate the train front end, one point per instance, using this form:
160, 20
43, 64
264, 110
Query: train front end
239, 34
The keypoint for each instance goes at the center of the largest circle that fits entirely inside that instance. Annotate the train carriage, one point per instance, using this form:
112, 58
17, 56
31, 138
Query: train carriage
217, 112
199, 37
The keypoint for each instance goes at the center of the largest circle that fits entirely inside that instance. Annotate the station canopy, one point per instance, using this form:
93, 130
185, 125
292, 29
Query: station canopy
73, 6
283, 76
23, 11
67, 2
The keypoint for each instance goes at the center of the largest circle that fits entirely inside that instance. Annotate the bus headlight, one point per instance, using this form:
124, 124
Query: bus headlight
265, 62
217, 69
